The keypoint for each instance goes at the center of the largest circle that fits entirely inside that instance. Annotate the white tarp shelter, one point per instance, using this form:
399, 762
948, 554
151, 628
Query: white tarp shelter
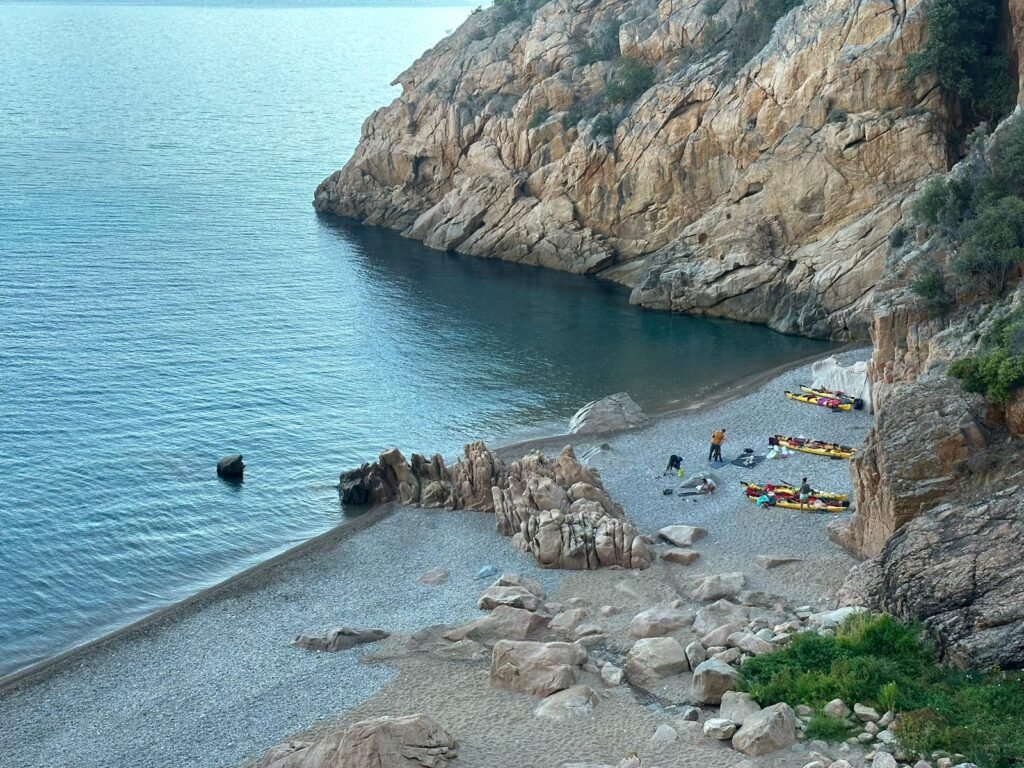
850, 379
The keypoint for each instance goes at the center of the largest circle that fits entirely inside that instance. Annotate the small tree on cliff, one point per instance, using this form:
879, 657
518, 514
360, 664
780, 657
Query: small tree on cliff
962, 50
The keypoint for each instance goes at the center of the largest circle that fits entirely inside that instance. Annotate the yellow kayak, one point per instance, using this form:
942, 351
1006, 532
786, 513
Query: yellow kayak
856, 402
783, 491
809, 507
817, 447
825, 402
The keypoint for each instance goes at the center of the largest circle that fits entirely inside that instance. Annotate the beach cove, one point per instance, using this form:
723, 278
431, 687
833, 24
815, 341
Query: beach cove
217, 682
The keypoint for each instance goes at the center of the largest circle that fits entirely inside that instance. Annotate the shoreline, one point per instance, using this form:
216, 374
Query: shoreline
506, 451
214, 680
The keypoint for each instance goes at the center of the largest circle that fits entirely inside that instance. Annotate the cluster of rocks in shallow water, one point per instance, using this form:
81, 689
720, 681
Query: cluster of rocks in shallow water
555, 509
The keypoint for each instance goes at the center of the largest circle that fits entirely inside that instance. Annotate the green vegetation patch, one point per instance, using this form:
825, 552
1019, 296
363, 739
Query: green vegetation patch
998, 372
962, 50
631, 79
750, 33
879, 661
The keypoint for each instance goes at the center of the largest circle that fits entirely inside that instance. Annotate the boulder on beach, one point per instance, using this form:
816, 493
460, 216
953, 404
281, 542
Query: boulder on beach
711, 679
384, 742
771, 729
504, 622
577, 701
537, 668
339, 639
231, 467
654, 658
682, 535
613, 413
655, 622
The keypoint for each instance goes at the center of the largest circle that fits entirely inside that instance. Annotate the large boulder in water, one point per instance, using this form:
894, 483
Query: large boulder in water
231, 467
609, 414
414, 741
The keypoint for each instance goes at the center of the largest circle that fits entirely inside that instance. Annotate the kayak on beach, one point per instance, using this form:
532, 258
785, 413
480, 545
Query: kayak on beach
811, 505
836, 394
818, 447
825, 402
790, 491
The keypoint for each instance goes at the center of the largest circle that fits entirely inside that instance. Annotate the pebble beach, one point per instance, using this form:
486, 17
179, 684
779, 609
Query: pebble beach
216, 683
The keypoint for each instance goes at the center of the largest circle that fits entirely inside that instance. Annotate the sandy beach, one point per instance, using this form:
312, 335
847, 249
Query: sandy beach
217, 683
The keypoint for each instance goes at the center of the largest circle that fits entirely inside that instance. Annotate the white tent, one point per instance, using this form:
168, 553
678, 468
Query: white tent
849, 379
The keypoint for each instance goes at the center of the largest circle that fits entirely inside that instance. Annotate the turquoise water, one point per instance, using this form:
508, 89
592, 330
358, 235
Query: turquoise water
168, 296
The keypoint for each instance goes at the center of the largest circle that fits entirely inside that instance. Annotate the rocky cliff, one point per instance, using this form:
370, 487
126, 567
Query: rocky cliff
754, 179
938, 483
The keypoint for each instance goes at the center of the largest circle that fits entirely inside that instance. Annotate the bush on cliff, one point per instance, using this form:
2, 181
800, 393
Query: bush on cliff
877, 660
929, 285
962, 51
603, 44
998, 372
629, 82
751, 31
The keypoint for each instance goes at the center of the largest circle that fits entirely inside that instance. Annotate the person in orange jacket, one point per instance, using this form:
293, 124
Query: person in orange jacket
717, 438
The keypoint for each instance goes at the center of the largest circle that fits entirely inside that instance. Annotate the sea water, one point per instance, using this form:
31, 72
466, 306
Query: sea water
168, 296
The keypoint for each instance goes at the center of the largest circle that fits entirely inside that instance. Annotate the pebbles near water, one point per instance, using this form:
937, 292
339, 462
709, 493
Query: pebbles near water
219, 681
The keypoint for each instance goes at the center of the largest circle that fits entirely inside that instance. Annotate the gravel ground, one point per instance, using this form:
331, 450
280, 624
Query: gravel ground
218, 682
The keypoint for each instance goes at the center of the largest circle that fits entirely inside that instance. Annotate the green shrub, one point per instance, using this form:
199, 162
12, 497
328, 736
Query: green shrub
929, 285
752, 30
711, 7
629, 82
898, 236
878, 660
887, 697
603, 44
539, 117
928, 206
993, 246
827, 728
962, 50
997, 375
604, 125
837, 115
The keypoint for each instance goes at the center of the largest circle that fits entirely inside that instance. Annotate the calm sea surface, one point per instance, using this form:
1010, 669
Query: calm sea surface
167, 296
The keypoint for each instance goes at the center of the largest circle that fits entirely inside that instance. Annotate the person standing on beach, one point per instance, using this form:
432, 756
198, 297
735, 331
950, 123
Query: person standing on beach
717, 438
805, 494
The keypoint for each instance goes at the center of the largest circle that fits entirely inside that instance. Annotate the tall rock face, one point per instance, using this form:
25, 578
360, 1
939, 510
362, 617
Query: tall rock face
765, 194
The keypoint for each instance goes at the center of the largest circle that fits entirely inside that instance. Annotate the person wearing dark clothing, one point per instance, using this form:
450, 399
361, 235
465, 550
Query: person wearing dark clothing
675, 463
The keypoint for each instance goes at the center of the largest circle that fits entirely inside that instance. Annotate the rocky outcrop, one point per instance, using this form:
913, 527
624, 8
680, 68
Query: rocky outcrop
556, 509
928, 444
339, 639
609, 414
764, 194
958, 569
414, 741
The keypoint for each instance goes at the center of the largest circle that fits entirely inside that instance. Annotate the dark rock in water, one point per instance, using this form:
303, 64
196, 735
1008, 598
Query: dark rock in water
231, 467
339, 639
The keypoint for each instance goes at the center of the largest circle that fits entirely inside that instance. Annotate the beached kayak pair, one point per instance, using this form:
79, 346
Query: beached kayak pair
817, 447
826, 398
788, 496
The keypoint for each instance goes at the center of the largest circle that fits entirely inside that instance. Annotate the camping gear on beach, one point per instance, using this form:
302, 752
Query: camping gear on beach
817, 447
786, 491
825, 402
855, 402
748, 460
